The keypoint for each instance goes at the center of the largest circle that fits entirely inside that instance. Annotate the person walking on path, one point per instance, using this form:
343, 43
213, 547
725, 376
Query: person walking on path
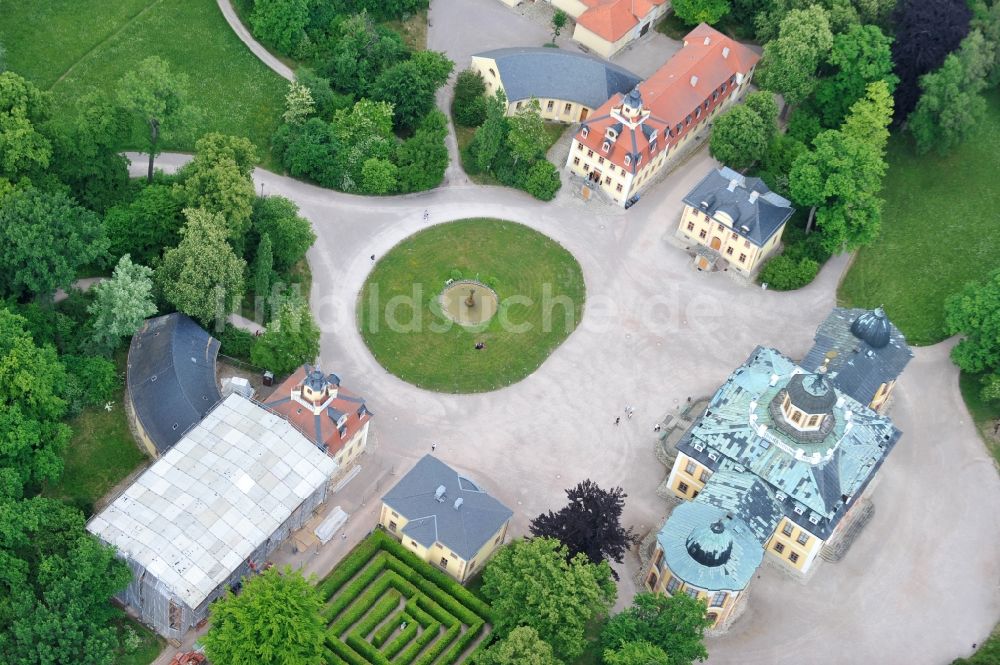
434, 447
618, 420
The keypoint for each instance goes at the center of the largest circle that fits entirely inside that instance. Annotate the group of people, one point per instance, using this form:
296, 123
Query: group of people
629, 411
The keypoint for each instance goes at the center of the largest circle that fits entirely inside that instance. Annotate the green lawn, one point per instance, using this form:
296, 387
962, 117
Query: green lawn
425, 351
939, 231
150, 644
70, 46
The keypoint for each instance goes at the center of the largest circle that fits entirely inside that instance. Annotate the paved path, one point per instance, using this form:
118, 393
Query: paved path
265, 56
81, 284
919, 585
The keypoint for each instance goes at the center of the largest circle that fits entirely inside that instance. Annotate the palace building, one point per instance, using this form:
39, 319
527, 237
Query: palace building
735, 222
567, 85
334, 419
780, 457
625, 143
444, 518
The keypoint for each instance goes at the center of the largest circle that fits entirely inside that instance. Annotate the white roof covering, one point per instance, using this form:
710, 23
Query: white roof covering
196, 514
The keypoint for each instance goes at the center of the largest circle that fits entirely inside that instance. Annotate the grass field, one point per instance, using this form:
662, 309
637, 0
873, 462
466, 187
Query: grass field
150, 644
426, 349
937, 231
383, 604
101, 453
984, 414
71, 46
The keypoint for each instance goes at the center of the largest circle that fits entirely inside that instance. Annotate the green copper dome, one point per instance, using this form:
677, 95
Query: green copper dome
711, 545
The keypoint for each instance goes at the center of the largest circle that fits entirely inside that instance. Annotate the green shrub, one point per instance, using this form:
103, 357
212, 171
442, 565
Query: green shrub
421, 617
371, 654
459, 647
352, 590
542, 180
90, 381
388, 603
236, 343
346, 653
784, 273
468, 108
411, 651
346, 569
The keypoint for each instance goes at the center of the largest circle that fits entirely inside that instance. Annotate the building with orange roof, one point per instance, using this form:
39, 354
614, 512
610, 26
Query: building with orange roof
332, 418
607, 26
626, 142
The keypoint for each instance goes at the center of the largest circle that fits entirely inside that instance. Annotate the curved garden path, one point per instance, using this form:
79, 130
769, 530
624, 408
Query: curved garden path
919, 584
265, 56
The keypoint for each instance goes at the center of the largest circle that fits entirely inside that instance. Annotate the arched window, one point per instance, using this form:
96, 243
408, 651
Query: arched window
796, 416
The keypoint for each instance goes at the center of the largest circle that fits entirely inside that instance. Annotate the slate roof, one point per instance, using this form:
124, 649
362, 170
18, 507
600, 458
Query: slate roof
463, 530
204, 507
810, 477
557, 74
171, 377
756, 221
745, 496
857, 368
687, 540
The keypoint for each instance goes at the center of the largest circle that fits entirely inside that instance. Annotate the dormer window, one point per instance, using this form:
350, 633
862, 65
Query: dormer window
606, 146
638, 159
586, 131
628, 160
652, 136
723, 88
611, 134
652, 147
697, 113
715, 95
679, 128
687, 120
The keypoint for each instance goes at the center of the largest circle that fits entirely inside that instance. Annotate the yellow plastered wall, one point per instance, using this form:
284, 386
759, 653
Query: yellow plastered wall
353, 448
718, 234
456, 566
598, 44
882, 396
658, 579
687, 484
552, 109
572, 7
782, 546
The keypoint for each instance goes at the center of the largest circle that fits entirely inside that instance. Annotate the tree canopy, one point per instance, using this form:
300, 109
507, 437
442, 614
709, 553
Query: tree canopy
202, 276
974, 313
157, 99
122, 303
145, 226
694, 12
522, 646
291, 338
742, 135
410, 86
25, 149
56, 582
589, 524
280, 23
841, 176
674, 624
276, 620
635, 653
860, 56
926, 32
45, 237
534, 583
789, 63
291, 234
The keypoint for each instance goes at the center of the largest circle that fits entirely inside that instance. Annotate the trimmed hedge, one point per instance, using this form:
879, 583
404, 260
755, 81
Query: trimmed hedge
344, 652
401, 640
415, 647
456, 650
347, 568
387, 628
438, 647
364, 586
373, 655
383, 609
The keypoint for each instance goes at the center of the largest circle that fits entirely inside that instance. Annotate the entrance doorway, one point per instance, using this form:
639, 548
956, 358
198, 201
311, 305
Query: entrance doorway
716, 243
583, 114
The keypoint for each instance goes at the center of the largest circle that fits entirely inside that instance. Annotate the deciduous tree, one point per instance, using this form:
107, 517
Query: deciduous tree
410, 86
693, 12
533, 583
291, 234
157, 98
276, 620
559, 19
202, 276
45, 237
280, 23
789, 63
469, 104
589, 524
122, 303
56, 585
739, 137
25, 148
526, 133
636, 653
491, 135
423, 158
291, 339
974, 313
926, 32
522, 647
951, 104
299, 104
378, 176
146, 226
361, 51
263, 269
675, 624
860, 56
542, 180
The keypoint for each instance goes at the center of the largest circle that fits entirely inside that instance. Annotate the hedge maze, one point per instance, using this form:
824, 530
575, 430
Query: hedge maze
384, 606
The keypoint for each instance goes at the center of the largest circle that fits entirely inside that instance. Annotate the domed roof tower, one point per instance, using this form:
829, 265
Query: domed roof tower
872, 327
710, 545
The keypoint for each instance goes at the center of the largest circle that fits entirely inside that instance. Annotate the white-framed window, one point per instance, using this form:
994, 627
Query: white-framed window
586, 131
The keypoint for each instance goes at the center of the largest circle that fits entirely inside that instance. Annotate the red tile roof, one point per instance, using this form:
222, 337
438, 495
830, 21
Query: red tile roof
320, 428
670, 96
612, 19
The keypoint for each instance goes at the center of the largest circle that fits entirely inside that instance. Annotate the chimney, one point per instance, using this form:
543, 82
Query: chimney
732, 185
439, 493
708, 40
458, 503
725, 52
753, 196
694, 81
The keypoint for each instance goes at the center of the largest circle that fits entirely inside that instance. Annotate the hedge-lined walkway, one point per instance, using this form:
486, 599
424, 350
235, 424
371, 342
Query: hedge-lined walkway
384, 606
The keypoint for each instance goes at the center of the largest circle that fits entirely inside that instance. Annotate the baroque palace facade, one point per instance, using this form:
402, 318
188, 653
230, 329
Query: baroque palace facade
781, 455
